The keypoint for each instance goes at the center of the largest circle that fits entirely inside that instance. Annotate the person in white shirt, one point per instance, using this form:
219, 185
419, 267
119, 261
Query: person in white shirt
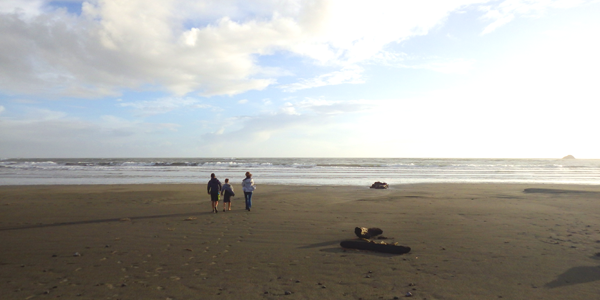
248, 187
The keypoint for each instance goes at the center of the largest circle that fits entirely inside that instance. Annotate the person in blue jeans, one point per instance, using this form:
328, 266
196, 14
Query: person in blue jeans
248, 187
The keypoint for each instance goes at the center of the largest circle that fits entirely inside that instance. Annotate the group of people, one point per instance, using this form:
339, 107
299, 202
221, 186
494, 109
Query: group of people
216, 190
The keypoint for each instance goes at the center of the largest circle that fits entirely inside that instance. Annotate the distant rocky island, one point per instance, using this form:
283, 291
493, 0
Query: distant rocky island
569, 157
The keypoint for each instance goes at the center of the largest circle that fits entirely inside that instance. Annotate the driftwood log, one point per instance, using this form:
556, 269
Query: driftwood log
379, 185
363, 242
372, 246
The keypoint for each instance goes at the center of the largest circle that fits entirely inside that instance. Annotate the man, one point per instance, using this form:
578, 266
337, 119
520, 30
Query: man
214, 188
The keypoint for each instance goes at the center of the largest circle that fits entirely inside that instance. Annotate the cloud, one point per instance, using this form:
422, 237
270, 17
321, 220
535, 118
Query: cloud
115, 45
437, 64
348, 75
163, 105
264, 134
62, 136
453, 66
498, 21
25, 8
288, 129
508, 10
25, 101
212, 47
2, 109
203, 47
336, 107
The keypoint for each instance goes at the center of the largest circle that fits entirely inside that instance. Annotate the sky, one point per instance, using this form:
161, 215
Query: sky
327, 78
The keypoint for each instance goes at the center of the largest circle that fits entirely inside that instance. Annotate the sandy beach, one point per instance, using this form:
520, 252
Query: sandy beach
469, 241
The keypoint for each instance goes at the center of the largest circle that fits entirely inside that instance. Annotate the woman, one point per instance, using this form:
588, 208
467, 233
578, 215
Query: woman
248, 187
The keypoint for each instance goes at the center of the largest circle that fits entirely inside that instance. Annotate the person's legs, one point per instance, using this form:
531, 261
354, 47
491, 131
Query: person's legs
249, 201
215, 202
246, 198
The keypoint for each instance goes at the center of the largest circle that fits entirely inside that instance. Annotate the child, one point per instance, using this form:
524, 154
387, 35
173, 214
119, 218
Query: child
227, 193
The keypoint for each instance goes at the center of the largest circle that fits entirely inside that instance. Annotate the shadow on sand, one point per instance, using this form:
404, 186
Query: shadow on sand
323, 244
102, 221
559, 191
576, 275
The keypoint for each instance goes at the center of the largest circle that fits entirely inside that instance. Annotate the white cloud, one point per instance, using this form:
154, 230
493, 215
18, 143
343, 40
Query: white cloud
288, 109
347, 75
499, 20
25, 8
60, 135
454, 66
507, 10
243, 101
284, 129
115, 44
42, 114
163, 105
25, 101
2, 109
336, 107
211, 47
288, 129
438, 64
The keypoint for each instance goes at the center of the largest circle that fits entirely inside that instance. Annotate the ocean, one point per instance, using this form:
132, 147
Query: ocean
297, 171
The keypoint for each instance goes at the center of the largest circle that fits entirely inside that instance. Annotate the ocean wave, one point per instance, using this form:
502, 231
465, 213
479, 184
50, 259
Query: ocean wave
318, 171
415, 165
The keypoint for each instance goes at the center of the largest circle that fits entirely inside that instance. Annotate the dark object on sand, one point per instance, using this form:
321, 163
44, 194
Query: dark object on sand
372, 246
367, 233
379, 185
559, 191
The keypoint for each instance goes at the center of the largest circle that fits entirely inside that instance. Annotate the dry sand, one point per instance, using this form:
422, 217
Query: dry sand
483, 241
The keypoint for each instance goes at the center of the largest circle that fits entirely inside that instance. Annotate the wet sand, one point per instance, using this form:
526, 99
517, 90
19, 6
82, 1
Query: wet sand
469, 241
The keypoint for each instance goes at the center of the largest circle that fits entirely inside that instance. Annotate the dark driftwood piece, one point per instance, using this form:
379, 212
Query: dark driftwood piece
379, 185
372, 246
367, 233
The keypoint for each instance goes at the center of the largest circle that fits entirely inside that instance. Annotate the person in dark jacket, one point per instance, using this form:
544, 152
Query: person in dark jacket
214, 188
